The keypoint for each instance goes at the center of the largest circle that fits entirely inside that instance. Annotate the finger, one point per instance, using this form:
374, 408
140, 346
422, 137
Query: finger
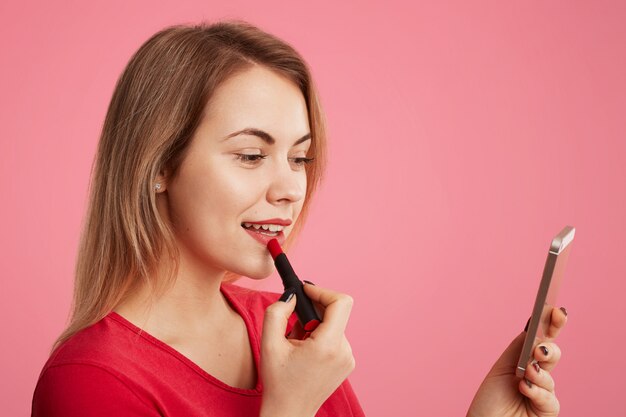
319, 309
542, 401
548, 355
539, 377
558, 319
275, 321
337, 308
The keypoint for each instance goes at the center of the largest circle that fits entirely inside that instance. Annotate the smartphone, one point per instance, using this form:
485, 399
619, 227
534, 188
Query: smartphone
546, 296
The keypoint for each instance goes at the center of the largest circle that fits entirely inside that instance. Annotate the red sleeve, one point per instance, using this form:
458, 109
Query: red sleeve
357, 411
85, 390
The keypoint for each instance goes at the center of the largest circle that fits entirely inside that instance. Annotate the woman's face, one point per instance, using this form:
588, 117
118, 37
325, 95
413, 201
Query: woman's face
245, 166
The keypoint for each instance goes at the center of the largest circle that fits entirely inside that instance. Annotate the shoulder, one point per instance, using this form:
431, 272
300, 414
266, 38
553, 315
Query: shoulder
93, 369
79, 389
104, 343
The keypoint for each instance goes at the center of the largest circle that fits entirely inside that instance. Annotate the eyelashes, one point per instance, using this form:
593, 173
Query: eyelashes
303, 160
249, 158
256, 159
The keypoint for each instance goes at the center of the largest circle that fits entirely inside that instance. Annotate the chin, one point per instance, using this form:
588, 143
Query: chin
260, 274
256, 272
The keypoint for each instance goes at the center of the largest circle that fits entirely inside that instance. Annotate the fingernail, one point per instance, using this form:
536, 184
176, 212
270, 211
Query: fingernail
308, 282
530, 385
536, 366
287, 295
564, 310
527, 323
544, 350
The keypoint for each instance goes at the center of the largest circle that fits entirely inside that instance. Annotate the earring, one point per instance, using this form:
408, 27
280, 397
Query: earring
157, 186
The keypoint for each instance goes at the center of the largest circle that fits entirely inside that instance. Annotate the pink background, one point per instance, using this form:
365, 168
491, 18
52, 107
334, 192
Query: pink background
464, 135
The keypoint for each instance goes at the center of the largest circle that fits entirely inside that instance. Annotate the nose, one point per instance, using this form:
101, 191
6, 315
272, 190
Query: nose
287, 185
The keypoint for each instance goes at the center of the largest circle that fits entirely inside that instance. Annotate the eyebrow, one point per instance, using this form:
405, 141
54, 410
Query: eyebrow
266, 137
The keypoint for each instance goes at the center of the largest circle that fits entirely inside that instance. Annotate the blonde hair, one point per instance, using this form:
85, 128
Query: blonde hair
156, 107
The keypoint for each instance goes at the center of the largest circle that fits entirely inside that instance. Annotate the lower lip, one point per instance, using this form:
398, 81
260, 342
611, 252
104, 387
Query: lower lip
264, 239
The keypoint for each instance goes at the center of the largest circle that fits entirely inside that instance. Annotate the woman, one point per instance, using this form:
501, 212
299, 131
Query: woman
213, 143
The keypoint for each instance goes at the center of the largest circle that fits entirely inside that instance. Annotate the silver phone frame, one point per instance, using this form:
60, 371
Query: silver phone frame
559, 245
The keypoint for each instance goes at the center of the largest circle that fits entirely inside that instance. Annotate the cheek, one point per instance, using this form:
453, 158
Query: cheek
300, 203
213, 195
227, 193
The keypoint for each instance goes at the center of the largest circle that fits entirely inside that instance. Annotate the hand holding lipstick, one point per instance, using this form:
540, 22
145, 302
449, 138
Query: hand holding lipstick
299, 375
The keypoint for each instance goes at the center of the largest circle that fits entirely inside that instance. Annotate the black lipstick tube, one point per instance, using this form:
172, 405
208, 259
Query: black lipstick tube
304, 306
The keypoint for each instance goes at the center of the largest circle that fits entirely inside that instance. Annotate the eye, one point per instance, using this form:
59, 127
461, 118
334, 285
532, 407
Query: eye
249, 159
302, 161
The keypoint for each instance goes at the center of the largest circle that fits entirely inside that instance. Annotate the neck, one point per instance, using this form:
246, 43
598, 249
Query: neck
192, 306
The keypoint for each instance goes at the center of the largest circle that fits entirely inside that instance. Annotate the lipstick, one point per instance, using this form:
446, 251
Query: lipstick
304, 306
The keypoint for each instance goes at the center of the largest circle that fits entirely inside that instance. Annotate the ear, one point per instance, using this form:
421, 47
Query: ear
160, 182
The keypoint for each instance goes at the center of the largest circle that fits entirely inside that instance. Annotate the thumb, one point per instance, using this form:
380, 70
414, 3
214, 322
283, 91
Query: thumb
276, 318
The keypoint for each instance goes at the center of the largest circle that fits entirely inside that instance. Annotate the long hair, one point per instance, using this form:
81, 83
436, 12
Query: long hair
156, 107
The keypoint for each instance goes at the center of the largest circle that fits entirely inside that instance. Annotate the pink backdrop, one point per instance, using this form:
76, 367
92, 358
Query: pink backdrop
464, 135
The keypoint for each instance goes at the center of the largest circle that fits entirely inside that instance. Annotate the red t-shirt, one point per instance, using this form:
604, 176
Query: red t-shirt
114, 369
